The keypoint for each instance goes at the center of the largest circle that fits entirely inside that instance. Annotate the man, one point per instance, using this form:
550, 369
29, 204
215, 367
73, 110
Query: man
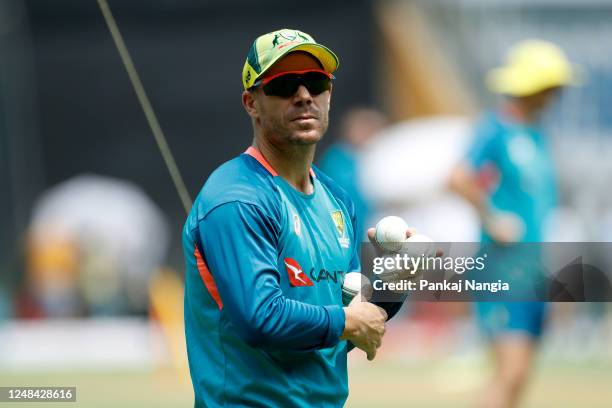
267, 244
508, 176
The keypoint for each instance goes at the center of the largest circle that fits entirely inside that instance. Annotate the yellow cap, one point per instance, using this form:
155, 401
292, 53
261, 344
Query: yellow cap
532, 66
270, 47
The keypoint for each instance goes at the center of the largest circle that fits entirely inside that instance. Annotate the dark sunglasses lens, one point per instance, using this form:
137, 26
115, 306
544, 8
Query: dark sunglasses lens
317, 83
286, 85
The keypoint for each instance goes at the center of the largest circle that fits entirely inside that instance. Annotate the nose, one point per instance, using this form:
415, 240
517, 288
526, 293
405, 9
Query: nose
302, 96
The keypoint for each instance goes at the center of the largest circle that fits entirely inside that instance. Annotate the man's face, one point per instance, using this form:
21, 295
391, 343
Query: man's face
537, 103
300, 119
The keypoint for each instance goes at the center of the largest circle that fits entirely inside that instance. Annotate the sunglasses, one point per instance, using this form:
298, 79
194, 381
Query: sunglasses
286, 84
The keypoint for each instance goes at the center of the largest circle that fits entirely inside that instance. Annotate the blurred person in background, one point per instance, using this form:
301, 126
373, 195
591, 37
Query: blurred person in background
94, 243
508, 177
341, 160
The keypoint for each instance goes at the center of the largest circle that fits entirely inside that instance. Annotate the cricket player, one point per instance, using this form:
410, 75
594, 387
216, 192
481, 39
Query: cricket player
508, 176
267, 244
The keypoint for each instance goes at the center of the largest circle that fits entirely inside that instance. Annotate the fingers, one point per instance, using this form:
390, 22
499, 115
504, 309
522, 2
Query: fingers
371, 235
373, 347
381, 331
375, 245
370, 326
373, 343
410, 232
383, 312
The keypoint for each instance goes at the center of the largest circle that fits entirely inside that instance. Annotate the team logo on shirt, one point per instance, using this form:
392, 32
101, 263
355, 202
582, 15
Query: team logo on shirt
297, 277
338, 219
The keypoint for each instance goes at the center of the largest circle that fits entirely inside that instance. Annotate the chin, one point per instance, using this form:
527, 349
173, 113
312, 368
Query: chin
306, 138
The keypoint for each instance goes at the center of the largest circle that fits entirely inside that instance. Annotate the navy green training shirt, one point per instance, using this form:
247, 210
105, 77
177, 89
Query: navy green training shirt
263, 301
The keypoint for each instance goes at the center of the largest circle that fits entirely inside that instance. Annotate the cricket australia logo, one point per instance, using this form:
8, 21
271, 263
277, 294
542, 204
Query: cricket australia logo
338, 219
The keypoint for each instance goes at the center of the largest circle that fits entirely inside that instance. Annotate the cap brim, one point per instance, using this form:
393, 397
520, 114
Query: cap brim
507, 81
329, 61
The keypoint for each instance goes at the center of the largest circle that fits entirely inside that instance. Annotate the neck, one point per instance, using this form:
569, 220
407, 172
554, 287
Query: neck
520, 112
291, 162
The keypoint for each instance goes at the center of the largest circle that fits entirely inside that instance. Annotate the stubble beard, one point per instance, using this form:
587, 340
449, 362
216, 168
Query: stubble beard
295, 137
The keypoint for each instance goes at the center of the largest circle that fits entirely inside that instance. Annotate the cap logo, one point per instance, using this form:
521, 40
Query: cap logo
284, 38
268, 48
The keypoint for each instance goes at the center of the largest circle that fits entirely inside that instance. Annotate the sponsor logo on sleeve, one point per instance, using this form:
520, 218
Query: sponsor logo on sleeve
297, 277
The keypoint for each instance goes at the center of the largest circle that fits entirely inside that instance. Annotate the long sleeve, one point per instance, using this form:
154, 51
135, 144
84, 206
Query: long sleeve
239, 243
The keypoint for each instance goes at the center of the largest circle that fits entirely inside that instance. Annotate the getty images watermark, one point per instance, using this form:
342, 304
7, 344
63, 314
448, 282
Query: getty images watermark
397, 273
526, 272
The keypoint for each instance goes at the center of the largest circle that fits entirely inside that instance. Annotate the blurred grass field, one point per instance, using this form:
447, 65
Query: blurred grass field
382, 383
395, 384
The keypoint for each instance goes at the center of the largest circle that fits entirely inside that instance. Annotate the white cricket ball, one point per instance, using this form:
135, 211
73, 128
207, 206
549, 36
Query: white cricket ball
353, 282
419, 245
391, 233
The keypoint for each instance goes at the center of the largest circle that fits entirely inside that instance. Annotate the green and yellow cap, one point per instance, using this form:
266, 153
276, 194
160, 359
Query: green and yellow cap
270, 47
533, 66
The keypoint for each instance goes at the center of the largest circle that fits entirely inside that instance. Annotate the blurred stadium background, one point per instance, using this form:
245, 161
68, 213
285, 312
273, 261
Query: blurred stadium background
90, 257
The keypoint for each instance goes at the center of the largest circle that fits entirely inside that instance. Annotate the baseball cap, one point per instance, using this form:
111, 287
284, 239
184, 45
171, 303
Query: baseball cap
269, 48
532, 66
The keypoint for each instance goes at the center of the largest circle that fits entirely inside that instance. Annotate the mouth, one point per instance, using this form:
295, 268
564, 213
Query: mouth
304, 118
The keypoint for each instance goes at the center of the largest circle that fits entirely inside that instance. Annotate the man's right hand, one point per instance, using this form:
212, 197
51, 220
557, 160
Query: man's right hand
365, 325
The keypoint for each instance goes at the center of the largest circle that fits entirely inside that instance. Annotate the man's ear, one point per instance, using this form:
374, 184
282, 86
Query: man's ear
249, 101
